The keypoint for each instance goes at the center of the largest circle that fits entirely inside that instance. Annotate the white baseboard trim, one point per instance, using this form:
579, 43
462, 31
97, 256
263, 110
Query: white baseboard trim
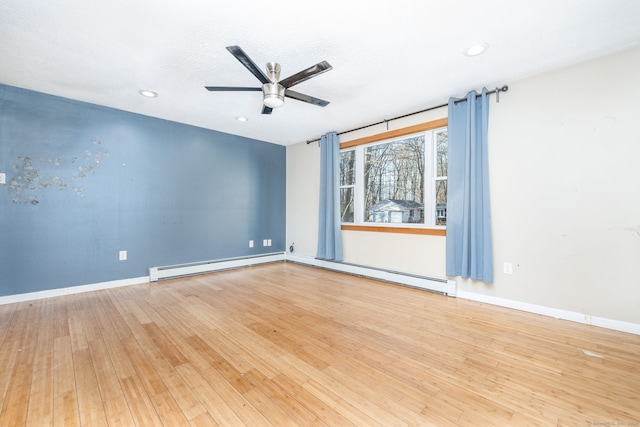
444, 286
572, 316
50, 293
157, 273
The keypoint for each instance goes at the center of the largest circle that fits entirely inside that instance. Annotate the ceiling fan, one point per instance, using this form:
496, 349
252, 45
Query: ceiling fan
273, 89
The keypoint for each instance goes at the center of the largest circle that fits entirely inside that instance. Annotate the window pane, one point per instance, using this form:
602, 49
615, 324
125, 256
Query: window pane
441, 202
442, 146
347, 167
346, 204
394, 181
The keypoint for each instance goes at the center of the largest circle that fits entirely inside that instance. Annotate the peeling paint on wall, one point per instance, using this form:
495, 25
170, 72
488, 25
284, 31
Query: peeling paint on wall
30, 180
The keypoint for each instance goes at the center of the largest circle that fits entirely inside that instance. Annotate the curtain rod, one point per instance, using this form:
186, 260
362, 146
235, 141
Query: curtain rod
496, 91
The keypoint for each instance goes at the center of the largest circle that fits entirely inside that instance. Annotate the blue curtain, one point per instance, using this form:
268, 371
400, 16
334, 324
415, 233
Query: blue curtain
329, 233
469, 243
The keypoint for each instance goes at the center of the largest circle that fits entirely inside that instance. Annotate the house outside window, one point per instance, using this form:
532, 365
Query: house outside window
400, 181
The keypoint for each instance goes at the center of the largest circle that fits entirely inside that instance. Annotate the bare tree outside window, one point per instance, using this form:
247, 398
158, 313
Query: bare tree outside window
394, 181
442, 151
442, 162
347, 182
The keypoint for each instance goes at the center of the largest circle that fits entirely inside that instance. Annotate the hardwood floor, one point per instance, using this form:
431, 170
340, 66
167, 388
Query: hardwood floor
289, 345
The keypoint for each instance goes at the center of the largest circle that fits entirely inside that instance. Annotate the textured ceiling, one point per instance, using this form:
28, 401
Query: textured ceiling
388, 58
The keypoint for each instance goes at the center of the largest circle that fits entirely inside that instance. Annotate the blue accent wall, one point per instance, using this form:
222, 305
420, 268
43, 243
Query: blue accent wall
85, 181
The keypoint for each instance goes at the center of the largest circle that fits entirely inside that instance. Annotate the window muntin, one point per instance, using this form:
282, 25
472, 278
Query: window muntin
396, 182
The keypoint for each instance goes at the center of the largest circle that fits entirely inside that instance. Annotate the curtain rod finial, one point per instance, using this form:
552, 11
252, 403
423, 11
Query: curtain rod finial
500, 89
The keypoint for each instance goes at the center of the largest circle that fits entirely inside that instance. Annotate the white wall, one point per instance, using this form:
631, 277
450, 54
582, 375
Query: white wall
303, 189
564, 154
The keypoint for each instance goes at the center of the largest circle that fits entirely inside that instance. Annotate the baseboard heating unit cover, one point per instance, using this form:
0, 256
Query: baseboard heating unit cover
180, 270
442, 286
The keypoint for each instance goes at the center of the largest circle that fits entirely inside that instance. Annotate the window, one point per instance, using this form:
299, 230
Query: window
347, 183
440, 179
397, 181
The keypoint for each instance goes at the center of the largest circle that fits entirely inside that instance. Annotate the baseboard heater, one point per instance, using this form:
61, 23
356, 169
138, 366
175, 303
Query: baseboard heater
181, 270
441, 286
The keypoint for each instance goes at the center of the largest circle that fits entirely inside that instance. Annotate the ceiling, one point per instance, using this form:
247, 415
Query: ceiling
388, 59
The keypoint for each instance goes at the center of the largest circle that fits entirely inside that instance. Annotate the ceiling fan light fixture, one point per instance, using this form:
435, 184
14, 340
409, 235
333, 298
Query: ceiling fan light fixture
273, 101
273, 95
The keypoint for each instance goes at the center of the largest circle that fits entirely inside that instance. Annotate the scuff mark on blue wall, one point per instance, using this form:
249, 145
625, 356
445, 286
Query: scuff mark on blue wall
30, 180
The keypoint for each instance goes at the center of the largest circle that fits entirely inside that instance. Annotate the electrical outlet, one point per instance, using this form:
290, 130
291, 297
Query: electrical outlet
250, 243
122, 255
508, 268
3, 178
268, 242
264, 242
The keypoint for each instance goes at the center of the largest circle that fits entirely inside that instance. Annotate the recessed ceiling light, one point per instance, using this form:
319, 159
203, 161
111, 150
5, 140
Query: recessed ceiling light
241, 119
476, 49
148, 93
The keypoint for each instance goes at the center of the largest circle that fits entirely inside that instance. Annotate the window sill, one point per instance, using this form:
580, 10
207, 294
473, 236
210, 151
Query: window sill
403, 230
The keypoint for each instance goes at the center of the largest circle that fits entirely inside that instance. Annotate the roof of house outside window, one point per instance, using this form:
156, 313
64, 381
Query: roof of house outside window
396, 205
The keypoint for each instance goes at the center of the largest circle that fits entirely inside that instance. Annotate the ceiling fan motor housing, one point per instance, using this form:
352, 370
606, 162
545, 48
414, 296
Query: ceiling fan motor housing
273, 95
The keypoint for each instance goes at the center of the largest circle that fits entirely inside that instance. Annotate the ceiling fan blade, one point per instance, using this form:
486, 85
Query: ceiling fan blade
247, 62
306, 98
303, 75
266, 110
232, 89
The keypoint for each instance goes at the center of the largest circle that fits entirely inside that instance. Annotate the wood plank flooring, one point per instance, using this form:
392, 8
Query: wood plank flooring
289, 345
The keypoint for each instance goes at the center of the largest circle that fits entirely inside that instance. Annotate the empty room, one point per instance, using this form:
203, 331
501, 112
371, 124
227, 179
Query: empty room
331, 214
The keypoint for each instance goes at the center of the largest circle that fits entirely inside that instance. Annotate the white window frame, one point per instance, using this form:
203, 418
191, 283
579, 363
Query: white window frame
429, 203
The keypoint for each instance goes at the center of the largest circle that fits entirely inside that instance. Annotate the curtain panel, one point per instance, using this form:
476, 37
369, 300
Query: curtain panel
469, 241
329, 232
